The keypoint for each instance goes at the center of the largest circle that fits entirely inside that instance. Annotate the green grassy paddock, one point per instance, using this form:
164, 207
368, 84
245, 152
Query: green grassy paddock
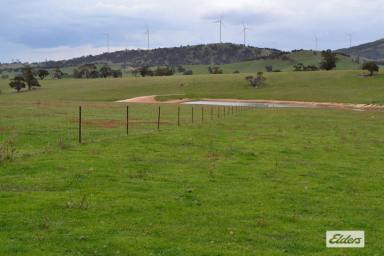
333, 86
268, 182
262, 182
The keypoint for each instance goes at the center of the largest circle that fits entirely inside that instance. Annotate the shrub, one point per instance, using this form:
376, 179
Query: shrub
188, 72
181, 69
164, 71
298, 67
17, 83
42, 73
58, 74
215, 70
105, 71
117, 73
329, 60
301, 67
371, 66
145, 71
257, 81
269, 68
311, 68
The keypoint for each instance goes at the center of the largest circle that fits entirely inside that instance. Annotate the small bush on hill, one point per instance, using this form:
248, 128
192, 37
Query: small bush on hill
145, 71
257, 81
269, 68
215, 70
117, 73
90, 71
371, 66
188, 73
42, 73
17, 83
105, 71
181, 69
58, 74
302, 67
329, 60
164, 71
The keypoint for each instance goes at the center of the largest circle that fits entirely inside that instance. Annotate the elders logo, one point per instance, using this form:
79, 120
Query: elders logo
345, 239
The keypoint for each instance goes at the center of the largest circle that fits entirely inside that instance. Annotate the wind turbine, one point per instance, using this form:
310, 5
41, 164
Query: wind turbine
350, 39
316, 43
245, 29
147, 32
107, 38
220, 22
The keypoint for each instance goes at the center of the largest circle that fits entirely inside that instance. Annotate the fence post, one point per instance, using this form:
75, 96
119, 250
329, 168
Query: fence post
192, 115
178, 116
127, 120
158, 119
80, 138
202, 115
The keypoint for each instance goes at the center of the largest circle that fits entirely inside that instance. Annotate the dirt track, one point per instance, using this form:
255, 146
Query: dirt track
152, 100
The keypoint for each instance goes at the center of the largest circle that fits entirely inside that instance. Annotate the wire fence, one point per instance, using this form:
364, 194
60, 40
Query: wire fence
43, 126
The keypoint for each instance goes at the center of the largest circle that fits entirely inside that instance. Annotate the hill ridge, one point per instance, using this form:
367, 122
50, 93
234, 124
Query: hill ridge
371, 51
223, 53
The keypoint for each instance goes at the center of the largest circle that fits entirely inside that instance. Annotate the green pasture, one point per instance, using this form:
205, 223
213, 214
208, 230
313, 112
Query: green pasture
258, 182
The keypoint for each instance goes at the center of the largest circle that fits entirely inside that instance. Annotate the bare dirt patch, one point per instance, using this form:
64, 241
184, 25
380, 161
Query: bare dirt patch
152, 100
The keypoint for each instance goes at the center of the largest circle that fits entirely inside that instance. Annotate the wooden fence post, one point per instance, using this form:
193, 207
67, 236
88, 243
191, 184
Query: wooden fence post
80, 137
178, 116
127, 120
202, 115
192, 115
158, 119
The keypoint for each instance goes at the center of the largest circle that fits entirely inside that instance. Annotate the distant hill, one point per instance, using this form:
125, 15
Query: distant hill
283, 62
185, 55
277, 61
370, 51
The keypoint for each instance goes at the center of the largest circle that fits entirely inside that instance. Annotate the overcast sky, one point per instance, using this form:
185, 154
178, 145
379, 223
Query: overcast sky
35, 30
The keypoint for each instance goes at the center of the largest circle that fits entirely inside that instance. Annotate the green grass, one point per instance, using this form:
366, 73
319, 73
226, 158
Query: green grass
332, 86
261, 182
269, 182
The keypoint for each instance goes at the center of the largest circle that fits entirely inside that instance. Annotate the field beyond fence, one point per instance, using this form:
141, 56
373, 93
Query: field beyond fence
43, 126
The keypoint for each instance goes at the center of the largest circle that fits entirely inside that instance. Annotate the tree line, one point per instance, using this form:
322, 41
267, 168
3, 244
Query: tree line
91, 71
28, 77
160, 71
